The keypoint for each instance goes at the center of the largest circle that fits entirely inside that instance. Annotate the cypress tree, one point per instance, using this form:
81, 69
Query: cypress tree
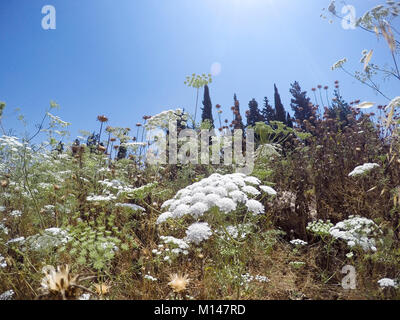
207, 107
280, 113
340, 109
289, 121
303, 109
254, 114
238, 122
268, 112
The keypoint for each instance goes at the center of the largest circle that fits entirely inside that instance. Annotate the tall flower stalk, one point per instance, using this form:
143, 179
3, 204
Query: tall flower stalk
102, 119
197, 82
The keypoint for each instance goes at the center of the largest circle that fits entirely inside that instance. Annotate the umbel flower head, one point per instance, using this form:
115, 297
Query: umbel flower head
178, 283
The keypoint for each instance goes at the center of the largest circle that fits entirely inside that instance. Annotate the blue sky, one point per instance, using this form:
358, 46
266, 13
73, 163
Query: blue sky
128, 58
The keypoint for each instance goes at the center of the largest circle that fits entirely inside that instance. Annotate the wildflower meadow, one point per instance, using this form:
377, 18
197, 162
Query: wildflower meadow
293, 198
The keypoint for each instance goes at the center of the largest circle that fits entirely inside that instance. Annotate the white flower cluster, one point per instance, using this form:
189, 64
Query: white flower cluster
268, 190
198, 232
320, 227
10, 142
172, 246
239, 231
268, 151
117, 185
298, 242
247, 278
360, 170
16, 240
3, 228
133, 207
149, 277
8, 295
16, 213
357, 231
84, 296
162, 119
49, 239
222, 191
3, 262
178, 242
387, 283
98, 198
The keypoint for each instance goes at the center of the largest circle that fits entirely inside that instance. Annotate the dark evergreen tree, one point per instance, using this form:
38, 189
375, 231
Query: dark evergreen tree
60, 147
280, 113
303, 109
340, 109
207, 107
238, 121
268, 112
92, 141
254, 115
289, 121
122, 152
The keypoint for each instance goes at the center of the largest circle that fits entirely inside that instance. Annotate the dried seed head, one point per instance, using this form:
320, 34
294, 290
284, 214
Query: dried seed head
178, 283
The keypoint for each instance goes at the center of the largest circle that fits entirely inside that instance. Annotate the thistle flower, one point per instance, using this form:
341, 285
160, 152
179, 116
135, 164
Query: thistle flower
4, 183
102, 289
178, 283
58, 282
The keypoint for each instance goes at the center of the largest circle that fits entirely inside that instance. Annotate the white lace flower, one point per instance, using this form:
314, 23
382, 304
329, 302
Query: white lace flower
8, 295
255, 206
3, 262
386, 282
198, 232
16, 213
198, 197
268, 190
230, 186
357, 231
198, 209
251, 190
226, 205
180, 243
360, 170
298, 242
221, 191
164, 217
238, 196
181, 210
252, 180
212, 199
